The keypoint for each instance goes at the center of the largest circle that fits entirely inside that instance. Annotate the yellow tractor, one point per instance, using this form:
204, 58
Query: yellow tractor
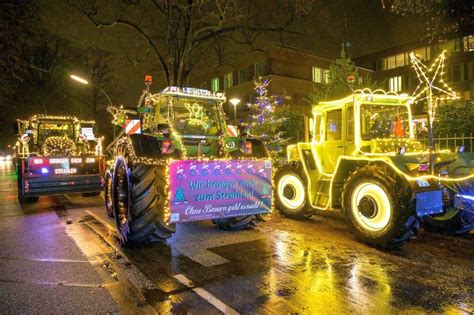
363, 158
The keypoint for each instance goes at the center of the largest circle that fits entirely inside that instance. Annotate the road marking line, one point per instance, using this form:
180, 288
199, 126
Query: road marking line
209, 297
68, 197
47, 260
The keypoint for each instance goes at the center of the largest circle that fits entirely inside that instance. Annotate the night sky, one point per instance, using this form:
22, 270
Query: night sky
365, 25
369, 28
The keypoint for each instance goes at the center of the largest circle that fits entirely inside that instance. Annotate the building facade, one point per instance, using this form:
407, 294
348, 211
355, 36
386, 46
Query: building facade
293, 74
393, 65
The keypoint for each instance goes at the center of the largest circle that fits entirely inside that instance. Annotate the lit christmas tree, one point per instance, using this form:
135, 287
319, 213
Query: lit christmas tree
264, 125
179, 196
340, 80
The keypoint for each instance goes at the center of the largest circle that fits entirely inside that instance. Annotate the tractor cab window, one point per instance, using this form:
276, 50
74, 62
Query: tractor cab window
48, 129
384, 121
195, 117
334, 125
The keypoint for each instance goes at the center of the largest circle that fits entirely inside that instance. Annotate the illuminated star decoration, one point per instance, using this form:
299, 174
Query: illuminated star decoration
431, 83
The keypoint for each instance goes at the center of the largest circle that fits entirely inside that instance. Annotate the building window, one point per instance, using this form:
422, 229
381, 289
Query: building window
228, 80
326, 77
423, 53
259, 69
215, 84
320, 75
242, 76
395, 84
466, 72
317, 75
468, 43
400, 60
391, 63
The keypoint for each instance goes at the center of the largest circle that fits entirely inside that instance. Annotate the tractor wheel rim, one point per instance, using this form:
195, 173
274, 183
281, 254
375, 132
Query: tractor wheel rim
371, 207
291, 191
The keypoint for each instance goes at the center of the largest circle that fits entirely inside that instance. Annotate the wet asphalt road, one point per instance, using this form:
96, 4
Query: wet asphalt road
282, 266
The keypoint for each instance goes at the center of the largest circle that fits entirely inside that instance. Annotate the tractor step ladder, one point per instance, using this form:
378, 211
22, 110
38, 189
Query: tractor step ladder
322, 192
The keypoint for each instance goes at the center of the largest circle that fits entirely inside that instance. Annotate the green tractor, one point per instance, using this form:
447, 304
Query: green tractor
176, 160
364, 159
58, 155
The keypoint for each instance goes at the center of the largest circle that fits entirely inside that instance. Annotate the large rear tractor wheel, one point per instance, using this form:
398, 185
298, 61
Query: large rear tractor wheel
108, 194
291, 193
379, 207
139, 203
454, 221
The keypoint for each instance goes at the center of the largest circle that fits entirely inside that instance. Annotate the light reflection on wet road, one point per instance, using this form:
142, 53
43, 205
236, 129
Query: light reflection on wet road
317, 266
287, 266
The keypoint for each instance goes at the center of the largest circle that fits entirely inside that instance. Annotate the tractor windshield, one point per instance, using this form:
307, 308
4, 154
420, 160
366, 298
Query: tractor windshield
384, 121
52, 128
196, 117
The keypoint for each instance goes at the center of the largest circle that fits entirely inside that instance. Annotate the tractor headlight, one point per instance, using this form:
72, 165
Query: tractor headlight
230, 145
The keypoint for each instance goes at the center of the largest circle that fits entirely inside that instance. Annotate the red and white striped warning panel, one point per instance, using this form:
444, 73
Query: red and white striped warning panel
232, 131
133, 126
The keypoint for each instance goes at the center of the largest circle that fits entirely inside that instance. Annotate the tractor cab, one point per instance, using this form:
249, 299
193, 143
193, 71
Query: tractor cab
362, 124
195, 116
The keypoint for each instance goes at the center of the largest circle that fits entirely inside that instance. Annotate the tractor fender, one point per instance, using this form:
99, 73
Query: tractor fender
147, 147
292, 153
258, 148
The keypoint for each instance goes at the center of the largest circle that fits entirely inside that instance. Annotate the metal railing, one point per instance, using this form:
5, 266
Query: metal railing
451, 142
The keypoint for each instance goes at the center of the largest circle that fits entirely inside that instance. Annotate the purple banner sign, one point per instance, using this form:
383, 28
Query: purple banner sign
204, 190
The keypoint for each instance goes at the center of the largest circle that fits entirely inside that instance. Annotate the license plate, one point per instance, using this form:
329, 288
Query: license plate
422, 182
429, 202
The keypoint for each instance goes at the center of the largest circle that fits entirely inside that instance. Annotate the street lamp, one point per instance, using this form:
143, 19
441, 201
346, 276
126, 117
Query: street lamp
235, 102
84, 81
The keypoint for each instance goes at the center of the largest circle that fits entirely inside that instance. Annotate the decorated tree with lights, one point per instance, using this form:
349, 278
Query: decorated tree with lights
455, 118
266, 125
342, 77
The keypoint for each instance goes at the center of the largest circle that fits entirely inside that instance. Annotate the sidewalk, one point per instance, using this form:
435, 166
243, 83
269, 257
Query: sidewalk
42, 269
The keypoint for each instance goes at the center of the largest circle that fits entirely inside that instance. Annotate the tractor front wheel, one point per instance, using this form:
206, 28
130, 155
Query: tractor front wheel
379, 207
291, 193
139, 203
